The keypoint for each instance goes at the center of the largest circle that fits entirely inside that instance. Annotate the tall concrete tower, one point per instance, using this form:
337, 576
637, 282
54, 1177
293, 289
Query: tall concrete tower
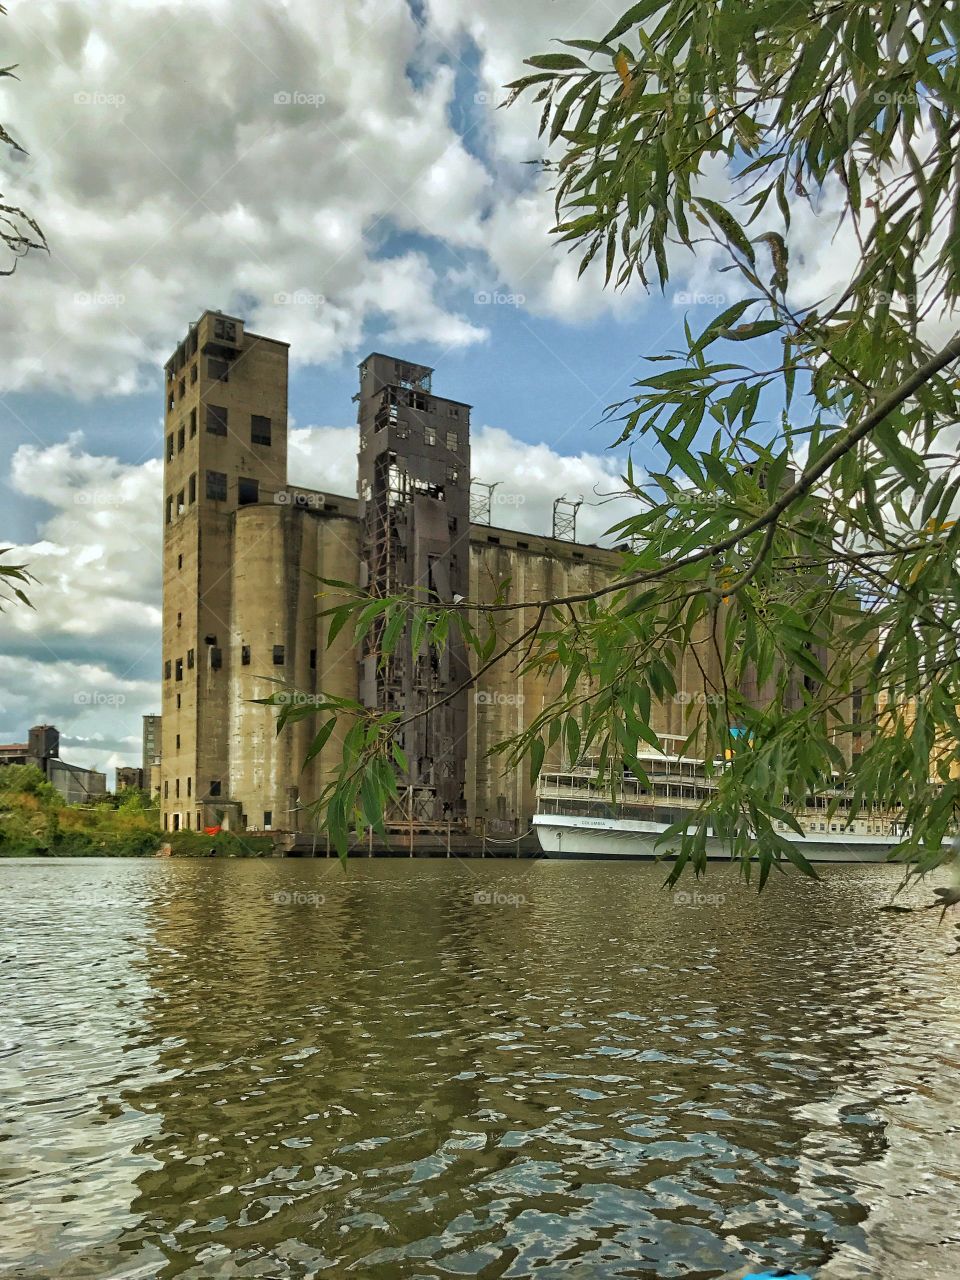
414, 491
225, 448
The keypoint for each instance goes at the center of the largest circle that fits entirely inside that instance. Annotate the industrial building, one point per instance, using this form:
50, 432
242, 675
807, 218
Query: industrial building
243, 549
42, 749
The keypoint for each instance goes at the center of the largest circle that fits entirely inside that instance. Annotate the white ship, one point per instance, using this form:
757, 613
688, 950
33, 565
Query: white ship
577, 817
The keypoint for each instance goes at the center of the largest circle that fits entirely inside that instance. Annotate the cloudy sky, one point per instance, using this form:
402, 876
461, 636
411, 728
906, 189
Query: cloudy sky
339, 174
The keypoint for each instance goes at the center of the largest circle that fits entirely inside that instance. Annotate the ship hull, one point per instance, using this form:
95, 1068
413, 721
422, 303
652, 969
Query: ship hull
569, 837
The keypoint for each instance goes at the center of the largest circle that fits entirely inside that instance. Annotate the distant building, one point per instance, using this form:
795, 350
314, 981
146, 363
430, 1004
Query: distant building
151, 754
129, 778
42, 749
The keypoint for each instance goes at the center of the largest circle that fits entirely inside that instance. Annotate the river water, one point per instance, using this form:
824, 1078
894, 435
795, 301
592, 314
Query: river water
446, 1069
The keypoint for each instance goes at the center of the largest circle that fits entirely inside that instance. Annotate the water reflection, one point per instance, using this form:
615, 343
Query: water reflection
497, 1069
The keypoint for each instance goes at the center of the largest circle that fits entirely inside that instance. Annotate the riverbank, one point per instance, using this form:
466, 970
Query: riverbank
35, 822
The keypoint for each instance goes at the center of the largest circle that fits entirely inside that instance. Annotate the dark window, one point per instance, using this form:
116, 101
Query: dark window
193, 423
178, 669
313, 659
259, 429
215, 787
216, 659
453, 441
193, 373
418, 401
176, 822
278, 655
495, 541
181, 503
224, 328
190, 659
189, 790
178, 748
170, 510
181, 439
245, 655
209, 639
183, 388
192, 489
247, 491
178, 702
170, 400
429, 435
179, 562
217, 486
167, 669
165, 821
268, 817
218, 369
216, 420
166, 791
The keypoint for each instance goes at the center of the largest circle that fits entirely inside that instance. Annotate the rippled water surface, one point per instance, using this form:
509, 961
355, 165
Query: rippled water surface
442, 1069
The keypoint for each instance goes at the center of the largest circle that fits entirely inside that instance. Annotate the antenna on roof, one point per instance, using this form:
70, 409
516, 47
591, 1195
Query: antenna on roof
565, 517
481, 501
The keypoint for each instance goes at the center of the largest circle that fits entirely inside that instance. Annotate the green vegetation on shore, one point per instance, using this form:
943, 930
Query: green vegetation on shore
35, 821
